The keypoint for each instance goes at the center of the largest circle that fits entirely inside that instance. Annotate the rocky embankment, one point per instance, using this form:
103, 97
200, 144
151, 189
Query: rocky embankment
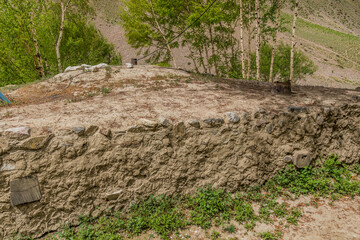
49, 180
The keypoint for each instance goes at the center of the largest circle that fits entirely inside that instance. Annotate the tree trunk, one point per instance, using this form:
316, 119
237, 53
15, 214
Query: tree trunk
242, 39
257, 12
163, 35
275, 41
249, 43
207, 58
293, 42
213, 50
40, 66
61, 32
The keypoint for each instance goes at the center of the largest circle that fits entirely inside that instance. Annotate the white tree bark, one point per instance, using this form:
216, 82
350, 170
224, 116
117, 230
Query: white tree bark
293, 42
249, 43
61, 32
257, 12
242, 39
275, 41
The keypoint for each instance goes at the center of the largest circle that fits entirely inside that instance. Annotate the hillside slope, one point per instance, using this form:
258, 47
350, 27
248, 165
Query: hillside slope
328, 32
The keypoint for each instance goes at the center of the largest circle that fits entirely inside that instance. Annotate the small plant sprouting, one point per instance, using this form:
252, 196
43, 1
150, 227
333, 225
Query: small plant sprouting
105, 91
230, 228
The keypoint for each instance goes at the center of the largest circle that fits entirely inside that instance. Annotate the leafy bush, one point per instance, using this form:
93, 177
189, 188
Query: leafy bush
331, 178
302, 64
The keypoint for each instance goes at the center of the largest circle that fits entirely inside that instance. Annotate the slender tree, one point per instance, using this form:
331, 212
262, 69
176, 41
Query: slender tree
293, 42
64, 7
242, 39
258, 37
40, 66
161, 31
277, 4
249, 40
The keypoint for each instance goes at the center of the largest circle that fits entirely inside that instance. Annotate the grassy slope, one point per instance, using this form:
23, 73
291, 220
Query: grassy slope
344, 44
341, 15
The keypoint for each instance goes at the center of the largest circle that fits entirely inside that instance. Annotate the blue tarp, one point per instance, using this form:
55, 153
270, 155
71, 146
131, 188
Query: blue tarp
3, 98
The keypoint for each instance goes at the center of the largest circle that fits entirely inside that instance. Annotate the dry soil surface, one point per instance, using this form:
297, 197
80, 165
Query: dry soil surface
120, 97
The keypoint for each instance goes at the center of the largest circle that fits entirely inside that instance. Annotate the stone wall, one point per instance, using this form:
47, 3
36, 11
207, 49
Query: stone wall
87, 170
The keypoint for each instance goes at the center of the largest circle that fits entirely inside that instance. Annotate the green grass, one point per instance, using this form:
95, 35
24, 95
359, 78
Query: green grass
345, 45
166, 216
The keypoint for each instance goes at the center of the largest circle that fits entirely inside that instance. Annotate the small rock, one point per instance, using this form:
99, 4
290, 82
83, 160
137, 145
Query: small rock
113, 196
297, 109
270, 128
106, 132
288, 159
7, 167
246, 117
214, 122
148, 123
302, 159
164, 121
232, 117
180, 129
35, 143
194, 123
91, 130
79, 130
19, 133
75, 68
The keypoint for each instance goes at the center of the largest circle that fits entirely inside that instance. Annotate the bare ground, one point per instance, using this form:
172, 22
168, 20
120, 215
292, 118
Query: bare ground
121, 97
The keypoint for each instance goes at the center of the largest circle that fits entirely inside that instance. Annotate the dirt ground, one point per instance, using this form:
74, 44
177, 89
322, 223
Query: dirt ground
120, 97
322, 220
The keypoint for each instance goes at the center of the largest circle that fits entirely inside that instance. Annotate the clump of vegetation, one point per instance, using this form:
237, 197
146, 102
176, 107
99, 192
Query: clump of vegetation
302, 64
209, 207
333, 177
36, 42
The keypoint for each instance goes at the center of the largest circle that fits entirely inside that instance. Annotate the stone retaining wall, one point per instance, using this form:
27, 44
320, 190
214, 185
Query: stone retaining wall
87, 170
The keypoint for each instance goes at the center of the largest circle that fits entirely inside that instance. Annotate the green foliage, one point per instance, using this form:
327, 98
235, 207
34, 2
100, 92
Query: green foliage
331, 178
346, 45
302, 64
208, 204
211, 41
157, 213
271, 236
294, 216
28, 34
230, 228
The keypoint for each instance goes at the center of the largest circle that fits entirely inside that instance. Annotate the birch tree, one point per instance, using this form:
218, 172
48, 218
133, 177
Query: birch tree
249, 39
65, 6
242, 39
293, 41
277, 4
258, 38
